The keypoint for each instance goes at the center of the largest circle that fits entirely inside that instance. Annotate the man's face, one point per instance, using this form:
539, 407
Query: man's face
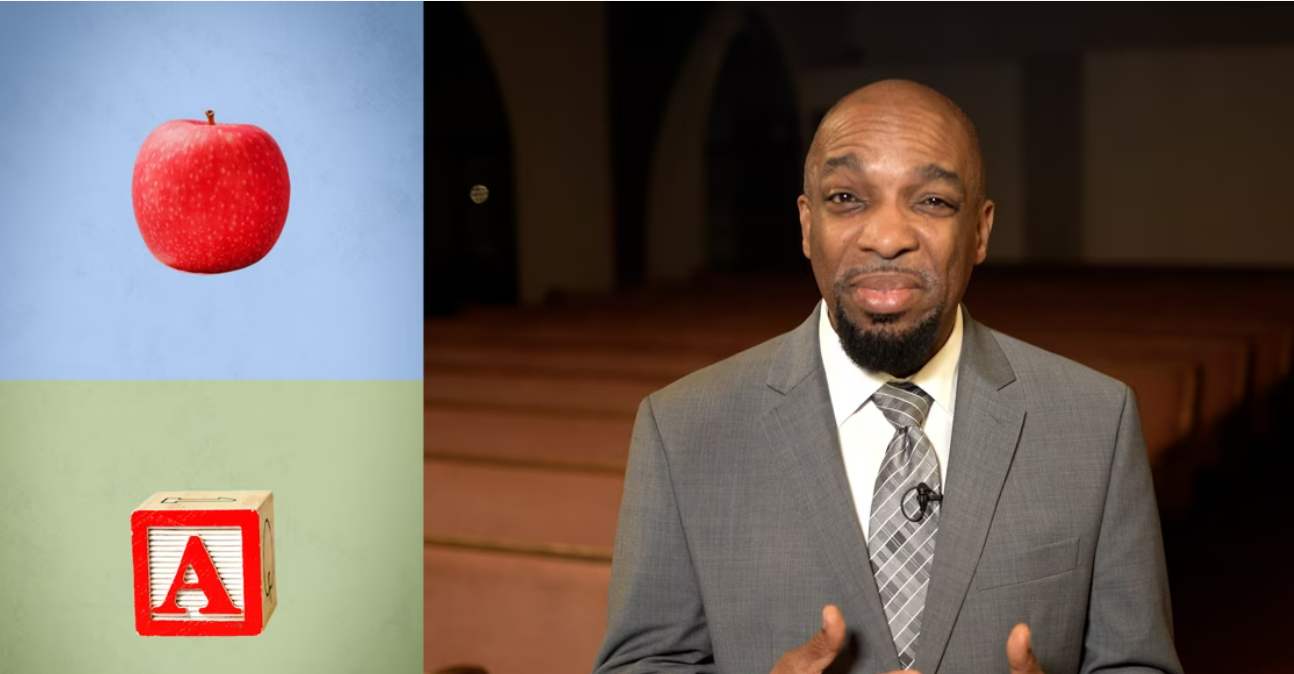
890, 223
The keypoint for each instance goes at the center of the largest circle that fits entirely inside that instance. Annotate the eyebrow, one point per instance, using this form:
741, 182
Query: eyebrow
928, 172
937, 172
848, 161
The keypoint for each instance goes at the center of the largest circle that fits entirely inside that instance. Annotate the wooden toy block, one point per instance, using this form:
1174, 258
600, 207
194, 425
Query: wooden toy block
204, 563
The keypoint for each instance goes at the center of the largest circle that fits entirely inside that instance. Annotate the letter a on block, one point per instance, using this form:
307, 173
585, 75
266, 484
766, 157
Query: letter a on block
195, 555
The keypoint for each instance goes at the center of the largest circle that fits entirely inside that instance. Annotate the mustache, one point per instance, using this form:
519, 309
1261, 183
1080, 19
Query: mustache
842, 285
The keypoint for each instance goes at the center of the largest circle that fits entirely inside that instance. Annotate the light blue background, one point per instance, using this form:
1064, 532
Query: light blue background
340, 88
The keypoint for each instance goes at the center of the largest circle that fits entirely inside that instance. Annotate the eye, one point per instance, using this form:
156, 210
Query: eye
842, 198
937, 204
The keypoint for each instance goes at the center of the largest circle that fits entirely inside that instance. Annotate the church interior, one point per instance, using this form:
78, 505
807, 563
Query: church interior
610, 205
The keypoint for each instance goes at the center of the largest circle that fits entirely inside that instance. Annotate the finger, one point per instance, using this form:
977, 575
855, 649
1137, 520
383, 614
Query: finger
820, 650
1019, 651
823, 646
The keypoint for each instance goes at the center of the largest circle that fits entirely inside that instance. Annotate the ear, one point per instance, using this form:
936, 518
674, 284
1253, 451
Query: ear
983, 228
806, 224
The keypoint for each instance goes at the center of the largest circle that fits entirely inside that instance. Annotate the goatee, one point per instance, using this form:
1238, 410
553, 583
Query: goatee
898, 353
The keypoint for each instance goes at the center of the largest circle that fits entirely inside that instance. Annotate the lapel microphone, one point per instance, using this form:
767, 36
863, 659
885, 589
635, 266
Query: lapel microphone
925, 496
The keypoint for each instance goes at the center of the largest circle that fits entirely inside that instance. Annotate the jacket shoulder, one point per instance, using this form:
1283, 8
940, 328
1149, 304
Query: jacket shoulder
709, 386
1043, 370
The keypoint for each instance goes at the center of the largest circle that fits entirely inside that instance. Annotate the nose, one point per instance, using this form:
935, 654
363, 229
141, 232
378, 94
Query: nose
888, 232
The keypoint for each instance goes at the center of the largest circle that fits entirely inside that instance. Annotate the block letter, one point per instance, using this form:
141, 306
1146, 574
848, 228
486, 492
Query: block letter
195, 555
217, 543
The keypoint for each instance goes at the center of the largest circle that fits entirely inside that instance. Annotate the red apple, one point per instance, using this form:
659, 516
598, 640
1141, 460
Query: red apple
210, 198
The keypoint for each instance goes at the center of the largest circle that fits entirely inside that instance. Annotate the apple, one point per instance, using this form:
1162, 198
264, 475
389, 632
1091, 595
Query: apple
210, 198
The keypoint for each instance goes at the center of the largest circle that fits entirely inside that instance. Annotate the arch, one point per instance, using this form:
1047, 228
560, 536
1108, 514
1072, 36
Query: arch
678, 237
551, 59
471, 248
675, 223
752, 157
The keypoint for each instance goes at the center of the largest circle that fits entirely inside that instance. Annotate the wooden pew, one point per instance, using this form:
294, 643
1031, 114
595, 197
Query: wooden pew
1136, 301
725, 340
1167, 397
520, 504
538, 391
1269, 340
528, 437
461, 343
529, 416
555, 357
552, 378
474, 498
1223, 363
512, 613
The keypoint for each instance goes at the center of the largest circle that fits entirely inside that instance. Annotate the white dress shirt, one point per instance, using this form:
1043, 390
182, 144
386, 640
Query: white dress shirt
864, 432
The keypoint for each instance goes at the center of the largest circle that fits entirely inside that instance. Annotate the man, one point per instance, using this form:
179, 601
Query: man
930, 493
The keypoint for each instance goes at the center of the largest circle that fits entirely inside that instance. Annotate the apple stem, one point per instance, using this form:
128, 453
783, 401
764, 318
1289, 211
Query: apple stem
211, 117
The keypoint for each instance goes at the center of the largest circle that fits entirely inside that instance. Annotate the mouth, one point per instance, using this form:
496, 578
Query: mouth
886, 293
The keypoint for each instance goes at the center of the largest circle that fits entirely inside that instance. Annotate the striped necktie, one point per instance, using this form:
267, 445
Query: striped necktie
902, 549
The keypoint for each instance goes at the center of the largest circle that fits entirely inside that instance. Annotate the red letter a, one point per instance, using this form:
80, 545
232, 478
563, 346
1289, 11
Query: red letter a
195, 555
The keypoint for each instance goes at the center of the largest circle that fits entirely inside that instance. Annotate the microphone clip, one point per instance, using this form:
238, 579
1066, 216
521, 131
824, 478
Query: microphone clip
924, 497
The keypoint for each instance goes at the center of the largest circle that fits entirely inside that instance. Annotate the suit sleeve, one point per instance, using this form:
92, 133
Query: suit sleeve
1130, 622
655, 617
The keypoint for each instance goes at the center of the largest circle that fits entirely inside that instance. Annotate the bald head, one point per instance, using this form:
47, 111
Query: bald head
893, 219
917, 105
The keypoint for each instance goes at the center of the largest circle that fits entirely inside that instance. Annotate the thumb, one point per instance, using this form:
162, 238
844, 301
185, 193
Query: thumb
820, 650
1019, 651
831, 637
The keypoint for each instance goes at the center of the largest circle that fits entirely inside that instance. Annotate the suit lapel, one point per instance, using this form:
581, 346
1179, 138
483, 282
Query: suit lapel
986, 429
801, 427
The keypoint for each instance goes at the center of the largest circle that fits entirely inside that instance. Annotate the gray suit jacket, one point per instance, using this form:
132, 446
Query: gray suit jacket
738, 524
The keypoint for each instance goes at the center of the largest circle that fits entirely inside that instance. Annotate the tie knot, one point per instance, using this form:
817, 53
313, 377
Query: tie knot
903, 403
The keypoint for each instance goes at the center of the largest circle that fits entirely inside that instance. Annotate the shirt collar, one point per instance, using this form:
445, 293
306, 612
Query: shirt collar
851, 386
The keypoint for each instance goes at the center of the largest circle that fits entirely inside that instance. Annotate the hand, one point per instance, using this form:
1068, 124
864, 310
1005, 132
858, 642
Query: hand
1019, 651
820, 650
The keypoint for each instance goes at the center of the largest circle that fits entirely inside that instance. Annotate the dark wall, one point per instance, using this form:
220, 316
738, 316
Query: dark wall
936, 32
472, 249
471, 255
647, 46
753, 171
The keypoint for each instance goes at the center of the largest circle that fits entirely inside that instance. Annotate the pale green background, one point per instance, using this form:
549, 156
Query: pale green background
343, 458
